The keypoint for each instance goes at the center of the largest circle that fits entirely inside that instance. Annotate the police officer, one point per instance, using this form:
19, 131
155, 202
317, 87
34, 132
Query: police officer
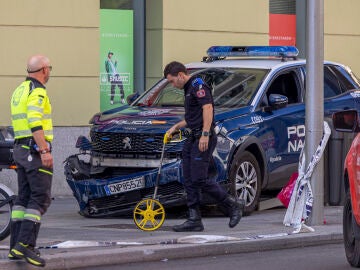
198, 148
31, 120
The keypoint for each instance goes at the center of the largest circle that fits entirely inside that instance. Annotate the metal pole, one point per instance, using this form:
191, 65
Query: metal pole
301, 28
139, 45
315, 101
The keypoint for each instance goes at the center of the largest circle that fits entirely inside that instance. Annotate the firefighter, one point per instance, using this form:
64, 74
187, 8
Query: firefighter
33, 130
198, 148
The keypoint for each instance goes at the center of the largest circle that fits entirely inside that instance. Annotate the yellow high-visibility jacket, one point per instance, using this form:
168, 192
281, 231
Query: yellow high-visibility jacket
31, 110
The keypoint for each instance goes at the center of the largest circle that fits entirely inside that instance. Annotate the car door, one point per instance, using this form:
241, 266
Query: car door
282, 130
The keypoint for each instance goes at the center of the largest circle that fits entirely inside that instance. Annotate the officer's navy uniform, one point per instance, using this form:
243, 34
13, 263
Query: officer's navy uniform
195, 162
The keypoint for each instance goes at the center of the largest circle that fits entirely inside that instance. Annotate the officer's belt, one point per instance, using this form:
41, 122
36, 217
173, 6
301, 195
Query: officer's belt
25, 141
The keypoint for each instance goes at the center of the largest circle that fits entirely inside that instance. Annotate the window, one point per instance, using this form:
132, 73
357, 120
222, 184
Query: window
231, 88
348, 79
285, 84
337, 81
332, 86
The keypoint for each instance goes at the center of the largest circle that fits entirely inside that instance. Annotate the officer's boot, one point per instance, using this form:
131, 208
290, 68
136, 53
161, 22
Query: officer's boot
25, 247
235, 209
15, 227
192, 224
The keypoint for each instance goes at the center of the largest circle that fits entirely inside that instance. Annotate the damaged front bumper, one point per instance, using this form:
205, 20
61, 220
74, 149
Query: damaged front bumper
118, 195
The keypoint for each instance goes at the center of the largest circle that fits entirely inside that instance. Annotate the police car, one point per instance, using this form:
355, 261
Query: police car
259, 96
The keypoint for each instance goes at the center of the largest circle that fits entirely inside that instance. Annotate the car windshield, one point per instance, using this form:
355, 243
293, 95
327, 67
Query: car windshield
231, 88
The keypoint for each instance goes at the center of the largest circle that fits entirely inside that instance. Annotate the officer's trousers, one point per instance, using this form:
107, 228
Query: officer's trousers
34, 191
196, 172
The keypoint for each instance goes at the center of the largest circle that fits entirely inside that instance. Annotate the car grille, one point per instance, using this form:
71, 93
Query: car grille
109, 142
115, 143
125, 202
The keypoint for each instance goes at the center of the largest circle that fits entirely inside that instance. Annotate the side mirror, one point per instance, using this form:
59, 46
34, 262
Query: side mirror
346, 121
132, 97
276, 101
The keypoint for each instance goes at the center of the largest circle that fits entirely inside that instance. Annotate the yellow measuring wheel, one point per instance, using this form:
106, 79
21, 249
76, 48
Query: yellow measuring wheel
149, 214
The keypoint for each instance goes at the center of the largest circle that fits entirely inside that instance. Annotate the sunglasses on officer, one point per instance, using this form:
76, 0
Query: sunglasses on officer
34, 71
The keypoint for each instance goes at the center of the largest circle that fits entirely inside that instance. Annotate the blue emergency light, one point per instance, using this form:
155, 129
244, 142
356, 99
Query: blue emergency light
252, 51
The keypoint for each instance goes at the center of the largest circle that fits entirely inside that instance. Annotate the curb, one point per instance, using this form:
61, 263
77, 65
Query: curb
68, 259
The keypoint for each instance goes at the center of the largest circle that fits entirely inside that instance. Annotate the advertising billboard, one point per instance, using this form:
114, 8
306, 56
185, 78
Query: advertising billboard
116, 57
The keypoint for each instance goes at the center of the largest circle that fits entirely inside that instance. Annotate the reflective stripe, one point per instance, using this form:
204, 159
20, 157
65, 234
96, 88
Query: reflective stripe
18, 207
19, 116
47, 116
45, 171
33, 215
34, 108
17, 212
34, 262
25, 146
31, 120
22, 133
17, 215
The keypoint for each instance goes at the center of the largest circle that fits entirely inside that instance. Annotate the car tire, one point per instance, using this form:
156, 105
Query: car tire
352, 245
245, 180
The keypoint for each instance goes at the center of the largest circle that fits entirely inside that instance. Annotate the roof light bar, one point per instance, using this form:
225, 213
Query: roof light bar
249, 51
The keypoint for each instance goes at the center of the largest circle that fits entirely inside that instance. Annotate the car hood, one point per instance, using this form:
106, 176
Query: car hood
133, 118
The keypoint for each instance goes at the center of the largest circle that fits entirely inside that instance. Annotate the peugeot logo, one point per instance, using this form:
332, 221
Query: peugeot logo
126, 142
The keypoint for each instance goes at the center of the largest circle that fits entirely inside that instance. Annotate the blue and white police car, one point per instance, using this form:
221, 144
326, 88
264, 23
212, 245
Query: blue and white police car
259, 96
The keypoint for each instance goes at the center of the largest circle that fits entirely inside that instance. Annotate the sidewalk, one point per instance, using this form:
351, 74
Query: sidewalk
116, 241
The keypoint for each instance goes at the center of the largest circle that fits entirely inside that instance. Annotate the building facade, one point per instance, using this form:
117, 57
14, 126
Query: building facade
68, 32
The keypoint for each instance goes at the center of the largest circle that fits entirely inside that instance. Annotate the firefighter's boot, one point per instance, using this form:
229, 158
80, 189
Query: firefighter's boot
25, 247
15, 227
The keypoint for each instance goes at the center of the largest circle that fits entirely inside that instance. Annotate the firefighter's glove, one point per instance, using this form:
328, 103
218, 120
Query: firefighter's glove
167, 138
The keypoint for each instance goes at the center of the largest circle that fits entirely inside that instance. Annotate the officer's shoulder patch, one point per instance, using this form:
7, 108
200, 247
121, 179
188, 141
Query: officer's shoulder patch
200, 93
197, 82
40, 99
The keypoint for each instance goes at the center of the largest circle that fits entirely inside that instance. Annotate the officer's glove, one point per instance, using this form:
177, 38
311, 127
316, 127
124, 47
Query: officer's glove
167, 138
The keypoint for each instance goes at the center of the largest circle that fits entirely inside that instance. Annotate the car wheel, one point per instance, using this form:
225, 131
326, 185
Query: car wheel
352, 245
245, 180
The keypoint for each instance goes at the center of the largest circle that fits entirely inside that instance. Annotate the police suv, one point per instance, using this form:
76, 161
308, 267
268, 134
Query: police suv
259, 96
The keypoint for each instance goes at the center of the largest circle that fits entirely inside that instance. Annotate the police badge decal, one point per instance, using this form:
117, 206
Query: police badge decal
200, 93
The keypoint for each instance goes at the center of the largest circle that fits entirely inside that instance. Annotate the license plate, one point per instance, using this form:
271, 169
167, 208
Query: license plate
125, 186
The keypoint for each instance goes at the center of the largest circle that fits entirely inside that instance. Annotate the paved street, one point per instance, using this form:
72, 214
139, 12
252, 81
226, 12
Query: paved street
117, 240
329, 257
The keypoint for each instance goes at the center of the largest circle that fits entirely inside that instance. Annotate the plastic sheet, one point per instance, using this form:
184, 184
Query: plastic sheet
301, 201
